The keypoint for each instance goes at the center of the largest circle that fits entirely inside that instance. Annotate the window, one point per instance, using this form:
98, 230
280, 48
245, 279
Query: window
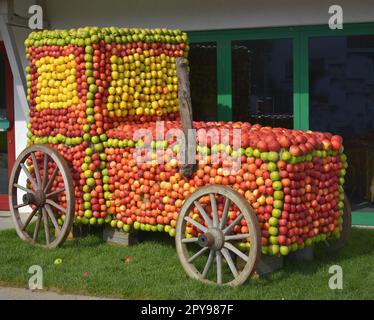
342, 102
262, 82
203, 81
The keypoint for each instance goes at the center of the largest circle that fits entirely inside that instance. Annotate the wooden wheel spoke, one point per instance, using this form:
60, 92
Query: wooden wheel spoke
203, 213
196, 224
37, 227
57, 206
52, 217
230, 262
50, 182
46, 226
189, 240
208, 263
225, 213
23, 188
219, 266
213, 203
45, 171
56, 192
29, 176
198, 254
36, 170
233, 224
237, 237
20, 205
27, 222
236, 251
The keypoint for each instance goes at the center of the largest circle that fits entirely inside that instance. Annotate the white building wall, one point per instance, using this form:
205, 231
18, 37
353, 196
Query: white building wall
202, 14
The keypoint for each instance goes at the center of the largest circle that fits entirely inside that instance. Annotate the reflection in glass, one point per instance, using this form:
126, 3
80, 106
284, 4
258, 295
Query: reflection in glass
342, 102
262, 82
203, 81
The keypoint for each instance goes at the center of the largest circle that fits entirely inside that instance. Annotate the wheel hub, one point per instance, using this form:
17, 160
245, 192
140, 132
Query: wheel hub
213, 239
37, 198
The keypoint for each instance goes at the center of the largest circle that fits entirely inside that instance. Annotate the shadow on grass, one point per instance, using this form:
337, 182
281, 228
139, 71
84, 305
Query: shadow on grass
158, 237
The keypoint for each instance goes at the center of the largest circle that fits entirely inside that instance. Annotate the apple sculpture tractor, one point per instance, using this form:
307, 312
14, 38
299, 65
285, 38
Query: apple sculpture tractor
91, 91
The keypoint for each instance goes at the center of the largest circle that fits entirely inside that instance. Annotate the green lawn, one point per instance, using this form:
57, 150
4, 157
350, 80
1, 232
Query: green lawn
93, 267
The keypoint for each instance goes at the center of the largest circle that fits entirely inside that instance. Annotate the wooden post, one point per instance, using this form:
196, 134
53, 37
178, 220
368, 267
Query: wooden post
185, 107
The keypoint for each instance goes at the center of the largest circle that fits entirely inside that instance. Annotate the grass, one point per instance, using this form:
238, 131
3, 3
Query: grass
153, 271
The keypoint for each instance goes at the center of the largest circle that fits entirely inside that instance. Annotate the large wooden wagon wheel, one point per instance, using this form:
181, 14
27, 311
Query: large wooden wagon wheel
42, 196
337, 244
216, 239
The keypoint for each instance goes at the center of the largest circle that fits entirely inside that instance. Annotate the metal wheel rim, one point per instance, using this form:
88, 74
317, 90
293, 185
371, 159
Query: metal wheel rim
43, 213
218, 255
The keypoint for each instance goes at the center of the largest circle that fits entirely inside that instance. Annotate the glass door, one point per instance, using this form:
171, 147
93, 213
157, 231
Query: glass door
341, 99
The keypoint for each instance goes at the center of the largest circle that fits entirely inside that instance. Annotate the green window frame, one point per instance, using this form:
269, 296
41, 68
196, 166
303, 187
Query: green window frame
300, 36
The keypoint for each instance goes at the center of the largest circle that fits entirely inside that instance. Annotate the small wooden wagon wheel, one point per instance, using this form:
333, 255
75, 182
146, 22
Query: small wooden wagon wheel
217, 237
338, 244
47, 193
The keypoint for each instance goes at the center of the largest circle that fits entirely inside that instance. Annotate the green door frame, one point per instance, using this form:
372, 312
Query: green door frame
300, 36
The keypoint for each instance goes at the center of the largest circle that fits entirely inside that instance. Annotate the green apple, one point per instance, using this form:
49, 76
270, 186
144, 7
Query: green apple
273, 231
108, 219
88, 214
277, 185
274, 176
273, 221
87, 205
278, 204
264, 156
294, 247
88, 174
271, 166
273, 156
273, 249
278, 195
284, 250
90, 182
172, 232
256, 153
286, 156
273, 239
276, 213
249, 152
